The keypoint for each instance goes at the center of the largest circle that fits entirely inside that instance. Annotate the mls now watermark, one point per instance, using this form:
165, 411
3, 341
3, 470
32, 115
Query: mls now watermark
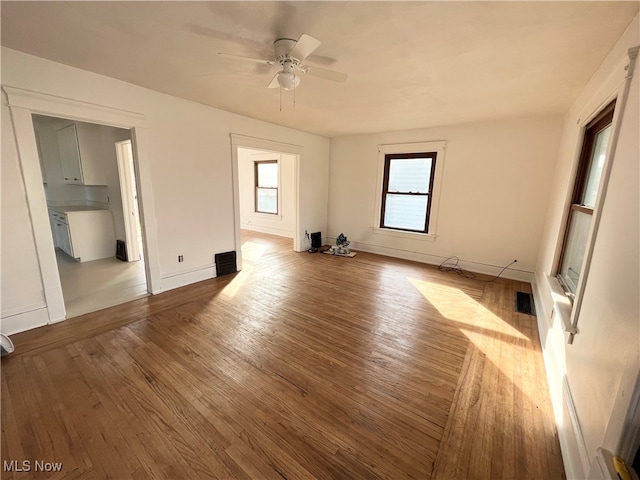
29, 466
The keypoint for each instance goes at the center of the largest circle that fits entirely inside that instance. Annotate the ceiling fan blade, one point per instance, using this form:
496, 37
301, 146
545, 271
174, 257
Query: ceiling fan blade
274, 82
323, 73
305, 45
247, 59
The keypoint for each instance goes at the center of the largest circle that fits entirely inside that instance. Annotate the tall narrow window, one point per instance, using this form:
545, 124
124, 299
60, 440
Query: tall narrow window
266, 174
585, 190
406, 191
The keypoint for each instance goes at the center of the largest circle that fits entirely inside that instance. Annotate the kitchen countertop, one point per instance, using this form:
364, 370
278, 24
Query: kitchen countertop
74, 208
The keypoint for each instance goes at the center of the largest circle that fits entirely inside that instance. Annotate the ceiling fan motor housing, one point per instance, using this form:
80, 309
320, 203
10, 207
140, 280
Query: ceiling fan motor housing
282, 47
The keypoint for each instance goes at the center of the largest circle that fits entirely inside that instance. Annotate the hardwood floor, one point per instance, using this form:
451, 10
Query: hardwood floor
300, 366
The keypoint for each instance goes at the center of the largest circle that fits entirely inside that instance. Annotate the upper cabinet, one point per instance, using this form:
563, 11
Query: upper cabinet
78, 145
70, 155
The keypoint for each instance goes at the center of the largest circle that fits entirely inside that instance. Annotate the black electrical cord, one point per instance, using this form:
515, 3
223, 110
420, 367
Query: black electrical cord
452, 264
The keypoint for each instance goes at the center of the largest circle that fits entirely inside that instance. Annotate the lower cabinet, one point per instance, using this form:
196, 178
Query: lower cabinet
60, 232
85, 235
64, 238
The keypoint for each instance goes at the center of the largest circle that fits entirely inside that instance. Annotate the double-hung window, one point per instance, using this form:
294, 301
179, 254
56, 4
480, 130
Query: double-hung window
407, 191
266, 176
583, 200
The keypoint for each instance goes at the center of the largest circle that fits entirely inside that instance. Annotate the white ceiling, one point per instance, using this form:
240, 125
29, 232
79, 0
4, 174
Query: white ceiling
410, 64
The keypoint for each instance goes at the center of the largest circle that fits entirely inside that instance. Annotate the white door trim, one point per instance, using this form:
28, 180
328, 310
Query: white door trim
128, 201
24, 103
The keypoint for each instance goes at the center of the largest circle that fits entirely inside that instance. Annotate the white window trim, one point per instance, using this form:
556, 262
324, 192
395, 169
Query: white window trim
439, 147
268, 157
617, 84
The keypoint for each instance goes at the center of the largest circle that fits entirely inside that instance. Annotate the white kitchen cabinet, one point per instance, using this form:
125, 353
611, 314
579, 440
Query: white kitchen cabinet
60, 231
84, 234
54, 230
64, 238
43, 171
80, 147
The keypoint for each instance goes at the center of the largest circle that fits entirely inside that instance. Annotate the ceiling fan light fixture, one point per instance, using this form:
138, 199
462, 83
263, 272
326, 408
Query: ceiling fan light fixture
288, 80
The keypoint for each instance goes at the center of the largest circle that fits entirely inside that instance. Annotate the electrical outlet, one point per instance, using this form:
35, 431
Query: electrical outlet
180, 258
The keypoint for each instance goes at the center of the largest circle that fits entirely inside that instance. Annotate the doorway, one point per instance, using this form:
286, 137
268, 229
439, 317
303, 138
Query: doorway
89, 182
269, 216
267, 192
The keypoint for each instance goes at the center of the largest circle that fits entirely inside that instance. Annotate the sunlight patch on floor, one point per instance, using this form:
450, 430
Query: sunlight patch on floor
508, 358
456, 305
251, 253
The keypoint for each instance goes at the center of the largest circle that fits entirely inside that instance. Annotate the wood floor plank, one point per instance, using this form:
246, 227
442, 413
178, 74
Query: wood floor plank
301, 366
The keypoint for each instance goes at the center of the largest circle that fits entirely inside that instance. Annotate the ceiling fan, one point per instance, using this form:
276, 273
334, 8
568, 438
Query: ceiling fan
289, 54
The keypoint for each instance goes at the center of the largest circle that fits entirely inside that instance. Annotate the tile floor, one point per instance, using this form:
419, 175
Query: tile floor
99, 284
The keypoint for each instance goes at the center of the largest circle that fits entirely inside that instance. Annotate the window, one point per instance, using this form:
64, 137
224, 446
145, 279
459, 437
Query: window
406, 191
583, 200
266, 174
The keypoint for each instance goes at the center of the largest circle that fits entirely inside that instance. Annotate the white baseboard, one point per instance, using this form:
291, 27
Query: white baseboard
520, 275
269, 230
572, 444
24, 321
187, 278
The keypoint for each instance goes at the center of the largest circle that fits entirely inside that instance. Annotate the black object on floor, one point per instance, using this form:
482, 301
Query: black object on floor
121, 250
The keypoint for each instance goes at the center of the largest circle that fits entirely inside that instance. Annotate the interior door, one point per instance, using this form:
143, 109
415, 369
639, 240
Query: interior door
128, 192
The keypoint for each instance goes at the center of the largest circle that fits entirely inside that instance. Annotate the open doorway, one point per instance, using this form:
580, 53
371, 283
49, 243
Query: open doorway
90, 195
245, 205
267, 192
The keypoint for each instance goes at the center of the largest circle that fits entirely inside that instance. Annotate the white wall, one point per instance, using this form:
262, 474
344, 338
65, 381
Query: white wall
493, 196
284, 223
109, 137
22, 289
593, 378
190, 167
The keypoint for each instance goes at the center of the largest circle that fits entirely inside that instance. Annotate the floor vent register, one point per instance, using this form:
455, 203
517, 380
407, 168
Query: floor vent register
524, 303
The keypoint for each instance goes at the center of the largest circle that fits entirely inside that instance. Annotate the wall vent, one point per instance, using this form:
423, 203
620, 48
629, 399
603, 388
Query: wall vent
225, 263
524, 303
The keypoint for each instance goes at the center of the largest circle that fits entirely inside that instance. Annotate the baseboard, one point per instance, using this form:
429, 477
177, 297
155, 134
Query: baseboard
268, 230
572, 444
187, 278
24, 321
575, 425
512, 274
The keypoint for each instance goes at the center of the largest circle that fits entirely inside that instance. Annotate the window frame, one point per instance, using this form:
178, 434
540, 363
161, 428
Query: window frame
256, 177
438, 146
388, 158
600, 122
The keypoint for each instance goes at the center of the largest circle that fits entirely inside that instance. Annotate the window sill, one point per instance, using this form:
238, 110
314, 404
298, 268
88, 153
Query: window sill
272, 216
422, 237
562, 305
567, 291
